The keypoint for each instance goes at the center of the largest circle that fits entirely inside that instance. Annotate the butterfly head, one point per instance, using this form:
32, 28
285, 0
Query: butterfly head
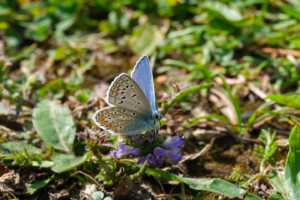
157, 116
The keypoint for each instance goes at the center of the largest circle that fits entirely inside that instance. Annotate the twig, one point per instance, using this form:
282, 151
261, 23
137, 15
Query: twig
273, 51
201, 153
230, 132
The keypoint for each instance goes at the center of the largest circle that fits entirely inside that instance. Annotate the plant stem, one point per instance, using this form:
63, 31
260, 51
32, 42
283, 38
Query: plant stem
182, 192
96, 153
96, 182
140, 172
252, 179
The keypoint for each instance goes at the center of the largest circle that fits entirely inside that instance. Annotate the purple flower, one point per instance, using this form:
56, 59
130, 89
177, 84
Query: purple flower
136, 152
176, 141
150, 158
158, 161
141, 160
173, 154
159, 152
140, 141
123, 150
134, 136
150, 138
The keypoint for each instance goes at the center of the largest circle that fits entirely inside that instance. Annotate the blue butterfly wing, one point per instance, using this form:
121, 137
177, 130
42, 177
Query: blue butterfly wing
142, 74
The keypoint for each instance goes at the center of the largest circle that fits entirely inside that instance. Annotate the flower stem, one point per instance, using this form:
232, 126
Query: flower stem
140, 172
96, 153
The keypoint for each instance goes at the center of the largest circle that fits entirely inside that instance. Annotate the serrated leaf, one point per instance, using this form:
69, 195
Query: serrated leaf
292, 165
54, 124
64, 162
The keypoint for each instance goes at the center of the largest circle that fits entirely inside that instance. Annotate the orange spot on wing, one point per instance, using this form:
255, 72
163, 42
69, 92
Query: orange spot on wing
117, 89
105, 122
111, 109
115, 94
116, 130
101, 119
106, 112
109, 125
101, 115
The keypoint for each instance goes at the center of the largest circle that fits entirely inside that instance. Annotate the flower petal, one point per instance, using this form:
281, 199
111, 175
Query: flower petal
158, 161
176, 141
123, 150
150, 158
159, 152
136, 152
141, 160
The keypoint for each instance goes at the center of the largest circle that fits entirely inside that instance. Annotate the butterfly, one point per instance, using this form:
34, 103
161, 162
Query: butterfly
131, 103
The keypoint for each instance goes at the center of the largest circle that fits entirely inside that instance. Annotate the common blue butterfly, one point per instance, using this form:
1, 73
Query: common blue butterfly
131, 102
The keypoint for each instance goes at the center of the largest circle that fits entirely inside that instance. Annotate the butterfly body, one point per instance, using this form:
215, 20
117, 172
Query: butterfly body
132, 103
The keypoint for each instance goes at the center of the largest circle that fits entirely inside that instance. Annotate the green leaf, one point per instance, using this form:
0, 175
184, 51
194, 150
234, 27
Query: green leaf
43, 164
180, 64
213, 185
98, 195
294, 12
275, 197
276, 179
291, 101
292, 165
65, 162
235, 101
65, 24
226, 13
54, 124
162, 174
108, 198
217, 186
37, 185
180, 95
146, 38
8, 147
